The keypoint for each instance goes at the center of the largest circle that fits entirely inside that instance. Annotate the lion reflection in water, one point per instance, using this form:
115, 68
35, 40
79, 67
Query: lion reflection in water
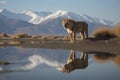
75, 63
74, 27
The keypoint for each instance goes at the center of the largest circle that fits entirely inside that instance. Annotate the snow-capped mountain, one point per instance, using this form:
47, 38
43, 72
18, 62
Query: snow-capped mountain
50, 22
77, 17
39, 17
9, 25
36, 17
14, 15
27, 15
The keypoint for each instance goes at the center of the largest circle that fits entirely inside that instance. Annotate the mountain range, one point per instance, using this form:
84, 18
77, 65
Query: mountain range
34, 22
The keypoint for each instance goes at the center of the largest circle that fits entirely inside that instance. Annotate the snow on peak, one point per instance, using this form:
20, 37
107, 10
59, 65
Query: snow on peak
31, 13
60, 12
54, 15
106, 22
57, 14
43, 13
4, 11
1, 10
36, 17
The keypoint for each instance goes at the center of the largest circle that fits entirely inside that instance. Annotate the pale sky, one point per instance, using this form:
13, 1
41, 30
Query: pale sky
108, 9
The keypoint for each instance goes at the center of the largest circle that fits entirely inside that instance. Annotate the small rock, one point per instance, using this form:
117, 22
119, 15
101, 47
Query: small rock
118, 42
106, 41
4, 63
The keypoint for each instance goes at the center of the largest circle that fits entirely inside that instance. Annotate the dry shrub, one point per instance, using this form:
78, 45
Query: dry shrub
23, 35
117, 30
3, 35
104, 33
102, 58
44, 37
4, 63
18, 36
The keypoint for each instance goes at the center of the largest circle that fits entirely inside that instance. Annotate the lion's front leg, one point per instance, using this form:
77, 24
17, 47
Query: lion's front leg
70, 36
70, 33
73, 36
72, 56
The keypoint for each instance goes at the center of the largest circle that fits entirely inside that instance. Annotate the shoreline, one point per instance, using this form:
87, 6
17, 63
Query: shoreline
88, 45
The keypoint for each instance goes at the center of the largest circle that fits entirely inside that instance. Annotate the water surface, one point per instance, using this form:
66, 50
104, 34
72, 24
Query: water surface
46, 64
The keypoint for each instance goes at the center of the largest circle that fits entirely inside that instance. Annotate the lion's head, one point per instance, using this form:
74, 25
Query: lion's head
68, 68
67, 23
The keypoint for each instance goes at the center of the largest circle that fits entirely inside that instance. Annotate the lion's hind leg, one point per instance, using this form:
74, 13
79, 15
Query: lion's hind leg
70, 33
82, 35
86, 35
84, 56
84, 59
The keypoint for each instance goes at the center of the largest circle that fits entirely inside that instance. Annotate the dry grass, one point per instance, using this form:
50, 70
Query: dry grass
18, 36
15, 42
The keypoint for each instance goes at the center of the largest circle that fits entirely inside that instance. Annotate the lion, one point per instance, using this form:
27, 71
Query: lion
74, 27
75, 63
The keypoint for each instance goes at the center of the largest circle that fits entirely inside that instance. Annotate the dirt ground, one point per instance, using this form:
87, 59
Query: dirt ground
62, 42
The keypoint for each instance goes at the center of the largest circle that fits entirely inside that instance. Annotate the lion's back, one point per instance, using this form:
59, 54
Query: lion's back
80, 26
78, 63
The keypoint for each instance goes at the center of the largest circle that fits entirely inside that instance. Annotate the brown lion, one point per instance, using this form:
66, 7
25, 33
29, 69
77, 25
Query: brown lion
74, 27
75, 63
